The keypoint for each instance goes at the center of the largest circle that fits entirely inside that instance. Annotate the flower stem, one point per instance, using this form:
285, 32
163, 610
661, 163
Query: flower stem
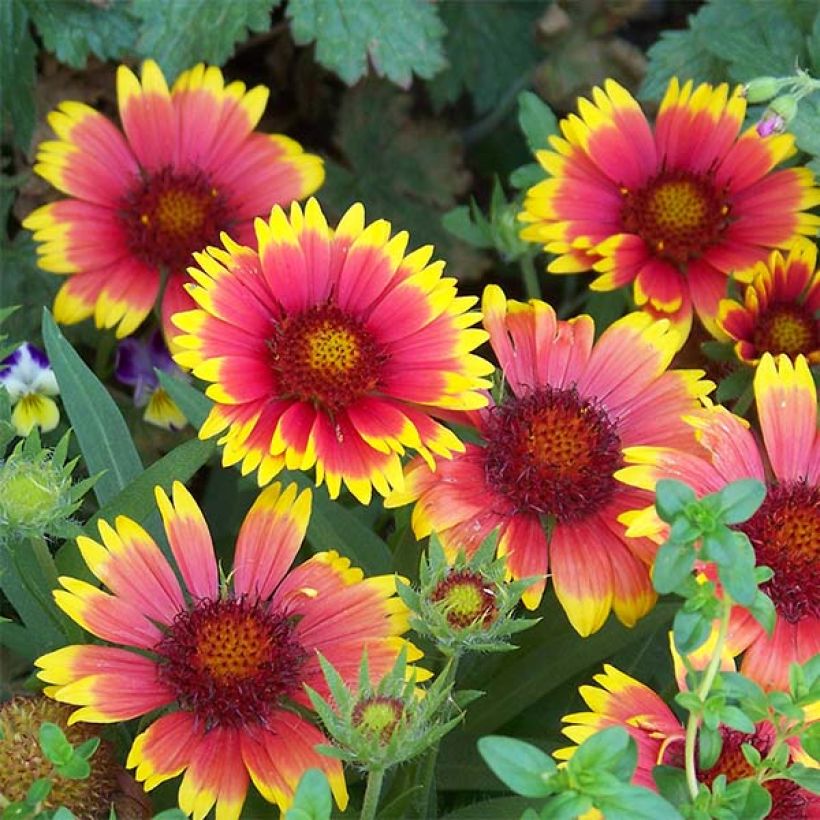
532, 288
371, 794
702, 692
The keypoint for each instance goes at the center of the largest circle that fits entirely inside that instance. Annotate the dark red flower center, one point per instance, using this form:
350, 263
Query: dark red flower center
378, 716
170, 215
785, 533
326, 357
789, 329
678, 214
230, 661
552, 453
466, 598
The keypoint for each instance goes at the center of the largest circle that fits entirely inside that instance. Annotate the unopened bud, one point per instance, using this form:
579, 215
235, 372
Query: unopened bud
785, 107
770, 123
30, 493
761, 89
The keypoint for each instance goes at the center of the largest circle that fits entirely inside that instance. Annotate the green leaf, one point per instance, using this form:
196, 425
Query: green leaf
171, 814
54, 744
179, 34
38, 791
536, 120
408, 171
810, 740
86, 749
748, 799
734, 385
635, 803
671, 783
73, 29
522, 767
78, 768
806, 125
673, 565
18, 70
499, 807
805, 776
672, 497
610, 750
691, 630
740, 500
99, 426
710, 743
736, 719
476, 30
763, 611
312, 800
567, 806
62, 813
400, 38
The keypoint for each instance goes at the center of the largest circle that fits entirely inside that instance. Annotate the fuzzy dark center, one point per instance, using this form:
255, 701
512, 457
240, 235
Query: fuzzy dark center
326, 357
789, 329
785, 533
553, 453
677, 213
169, 216
230, 662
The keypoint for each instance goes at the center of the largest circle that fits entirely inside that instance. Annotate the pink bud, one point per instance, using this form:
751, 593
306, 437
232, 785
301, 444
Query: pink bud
770, 123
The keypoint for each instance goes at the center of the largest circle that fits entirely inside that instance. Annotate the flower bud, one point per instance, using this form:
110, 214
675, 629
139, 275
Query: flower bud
761, 89
784, 106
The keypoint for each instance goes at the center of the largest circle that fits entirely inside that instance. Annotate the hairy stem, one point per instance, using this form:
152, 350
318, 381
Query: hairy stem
532, 287
702, 692
371, 794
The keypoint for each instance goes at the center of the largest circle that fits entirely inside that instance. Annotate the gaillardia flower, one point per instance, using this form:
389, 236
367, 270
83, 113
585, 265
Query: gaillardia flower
136, 364
227, 662
188, 166
675, 209
780, 308
27, 376
620, 700
785, 531
330, 348
544, 474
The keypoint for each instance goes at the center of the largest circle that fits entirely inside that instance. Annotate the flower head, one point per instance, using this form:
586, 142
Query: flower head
227, 662
188, 166
544, 473
780, 308
620, 700
27, 376
136, 365
785, 531
330, 349
673, 210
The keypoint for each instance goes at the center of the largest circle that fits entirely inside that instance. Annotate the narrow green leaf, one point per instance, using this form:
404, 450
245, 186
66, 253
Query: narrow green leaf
99, 426
18, 66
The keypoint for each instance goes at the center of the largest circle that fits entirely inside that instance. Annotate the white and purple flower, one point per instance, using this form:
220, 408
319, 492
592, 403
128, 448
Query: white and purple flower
136, 365
27, 376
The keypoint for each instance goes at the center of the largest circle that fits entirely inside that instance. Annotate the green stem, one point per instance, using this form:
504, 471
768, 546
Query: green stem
702, 692
532, 287
371, 794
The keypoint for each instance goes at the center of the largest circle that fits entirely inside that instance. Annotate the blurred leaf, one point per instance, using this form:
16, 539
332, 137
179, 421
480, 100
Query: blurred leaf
521, 766
536, 119
526, 677
498, 807
312, 800
474, 32
98, 424
73, 29
179, 34
401, 37
18, 69
407, 171
636, 803
806, 125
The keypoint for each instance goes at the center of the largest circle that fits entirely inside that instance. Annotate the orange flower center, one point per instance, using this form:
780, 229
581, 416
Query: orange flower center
785, 533
466, 598
788, 329
552, 453
326, 357
230, 661
678, 214
169, 216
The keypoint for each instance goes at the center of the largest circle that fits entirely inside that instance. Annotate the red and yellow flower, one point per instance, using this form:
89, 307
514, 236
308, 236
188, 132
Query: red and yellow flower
188, 166
330, 349
227, 662
780, 308
785, 531
620, 700
550, 451
675, 209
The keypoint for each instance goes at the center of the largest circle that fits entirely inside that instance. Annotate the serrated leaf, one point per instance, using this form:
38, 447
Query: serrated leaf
73, 29
400, 38
476, 30
101, 431
521, 766
179, 34
18, 69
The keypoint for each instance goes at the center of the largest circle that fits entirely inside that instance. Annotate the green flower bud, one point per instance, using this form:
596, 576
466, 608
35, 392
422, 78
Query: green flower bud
761, 89
785, 106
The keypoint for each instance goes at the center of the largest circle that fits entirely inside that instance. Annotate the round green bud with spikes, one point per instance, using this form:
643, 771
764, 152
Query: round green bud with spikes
32, 492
